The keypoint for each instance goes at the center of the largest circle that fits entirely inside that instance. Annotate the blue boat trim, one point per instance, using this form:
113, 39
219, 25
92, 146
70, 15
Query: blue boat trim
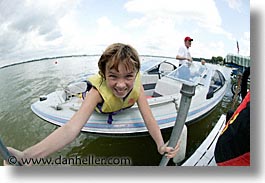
138, 124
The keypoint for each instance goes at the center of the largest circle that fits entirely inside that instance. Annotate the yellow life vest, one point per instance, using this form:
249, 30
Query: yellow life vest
112, 103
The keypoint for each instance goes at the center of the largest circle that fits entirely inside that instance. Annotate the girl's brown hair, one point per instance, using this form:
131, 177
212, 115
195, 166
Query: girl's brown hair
119, 53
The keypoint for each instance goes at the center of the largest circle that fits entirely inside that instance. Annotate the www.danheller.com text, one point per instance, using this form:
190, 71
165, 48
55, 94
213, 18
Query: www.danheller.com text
90, 160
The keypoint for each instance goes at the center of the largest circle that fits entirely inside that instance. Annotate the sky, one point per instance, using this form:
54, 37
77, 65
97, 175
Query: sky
33, 29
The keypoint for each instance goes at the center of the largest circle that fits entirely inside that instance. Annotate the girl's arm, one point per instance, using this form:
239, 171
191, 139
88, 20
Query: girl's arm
153, 127
68, 132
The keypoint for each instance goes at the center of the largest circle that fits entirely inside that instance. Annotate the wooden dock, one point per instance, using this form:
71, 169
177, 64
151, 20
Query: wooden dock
204, 155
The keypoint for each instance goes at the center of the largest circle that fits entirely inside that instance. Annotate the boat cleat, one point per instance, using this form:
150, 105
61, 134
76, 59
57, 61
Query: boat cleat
43, 97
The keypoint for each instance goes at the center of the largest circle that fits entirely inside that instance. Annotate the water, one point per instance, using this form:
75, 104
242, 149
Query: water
21, 85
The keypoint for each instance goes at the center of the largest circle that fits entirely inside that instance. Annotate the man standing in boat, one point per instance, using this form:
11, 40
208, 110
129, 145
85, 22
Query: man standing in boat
184, 55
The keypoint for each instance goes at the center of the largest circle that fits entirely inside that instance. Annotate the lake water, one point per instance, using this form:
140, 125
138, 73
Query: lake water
21, 85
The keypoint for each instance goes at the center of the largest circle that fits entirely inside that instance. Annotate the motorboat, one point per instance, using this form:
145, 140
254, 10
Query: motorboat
162, 81
239, 64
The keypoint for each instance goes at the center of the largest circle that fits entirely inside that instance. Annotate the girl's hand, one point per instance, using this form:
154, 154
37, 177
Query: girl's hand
15, 158
170, 151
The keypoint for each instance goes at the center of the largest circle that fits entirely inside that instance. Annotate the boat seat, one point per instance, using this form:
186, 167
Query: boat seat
165, 68
166, 86
77, 88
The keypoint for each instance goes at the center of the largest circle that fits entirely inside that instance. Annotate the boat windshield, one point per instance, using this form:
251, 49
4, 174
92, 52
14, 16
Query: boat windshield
190, 75
149, 65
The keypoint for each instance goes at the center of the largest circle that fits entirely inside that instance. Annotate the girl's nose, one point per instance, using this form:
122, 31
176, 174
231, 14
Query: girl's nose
121, 83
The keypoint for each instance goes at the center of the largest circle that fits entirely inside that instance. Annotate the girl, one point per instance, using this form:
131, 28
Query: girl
116, 87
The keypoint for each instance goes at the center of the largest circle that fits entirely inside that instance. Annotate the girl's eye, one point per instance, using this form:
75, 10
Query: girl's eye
129, 76
112, 76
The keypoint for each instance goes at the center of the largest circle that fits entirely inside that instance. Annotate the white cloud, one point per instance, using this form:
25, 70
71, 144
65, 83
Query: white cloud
235, 4
244, 44
30, 26
166, 22
188, 10
104, 22
33, 29
106, 32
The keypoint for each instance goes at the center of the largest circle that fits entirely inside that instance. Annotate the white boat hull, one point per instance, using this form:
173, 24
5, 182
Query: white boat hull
56, 110
125, 122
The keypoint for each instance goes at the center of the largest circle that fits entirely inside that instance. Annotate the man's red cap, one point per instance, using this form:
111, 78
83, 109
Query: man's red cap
188, 39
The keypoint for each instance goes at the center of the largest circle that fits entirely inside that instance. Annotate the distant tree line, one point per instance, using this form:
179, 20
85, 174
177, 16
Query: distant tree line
214, 60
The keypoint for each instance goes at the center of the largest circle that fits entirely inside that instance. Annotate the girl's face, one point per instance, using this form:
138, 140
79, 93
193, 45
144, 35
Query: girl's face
120, 82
